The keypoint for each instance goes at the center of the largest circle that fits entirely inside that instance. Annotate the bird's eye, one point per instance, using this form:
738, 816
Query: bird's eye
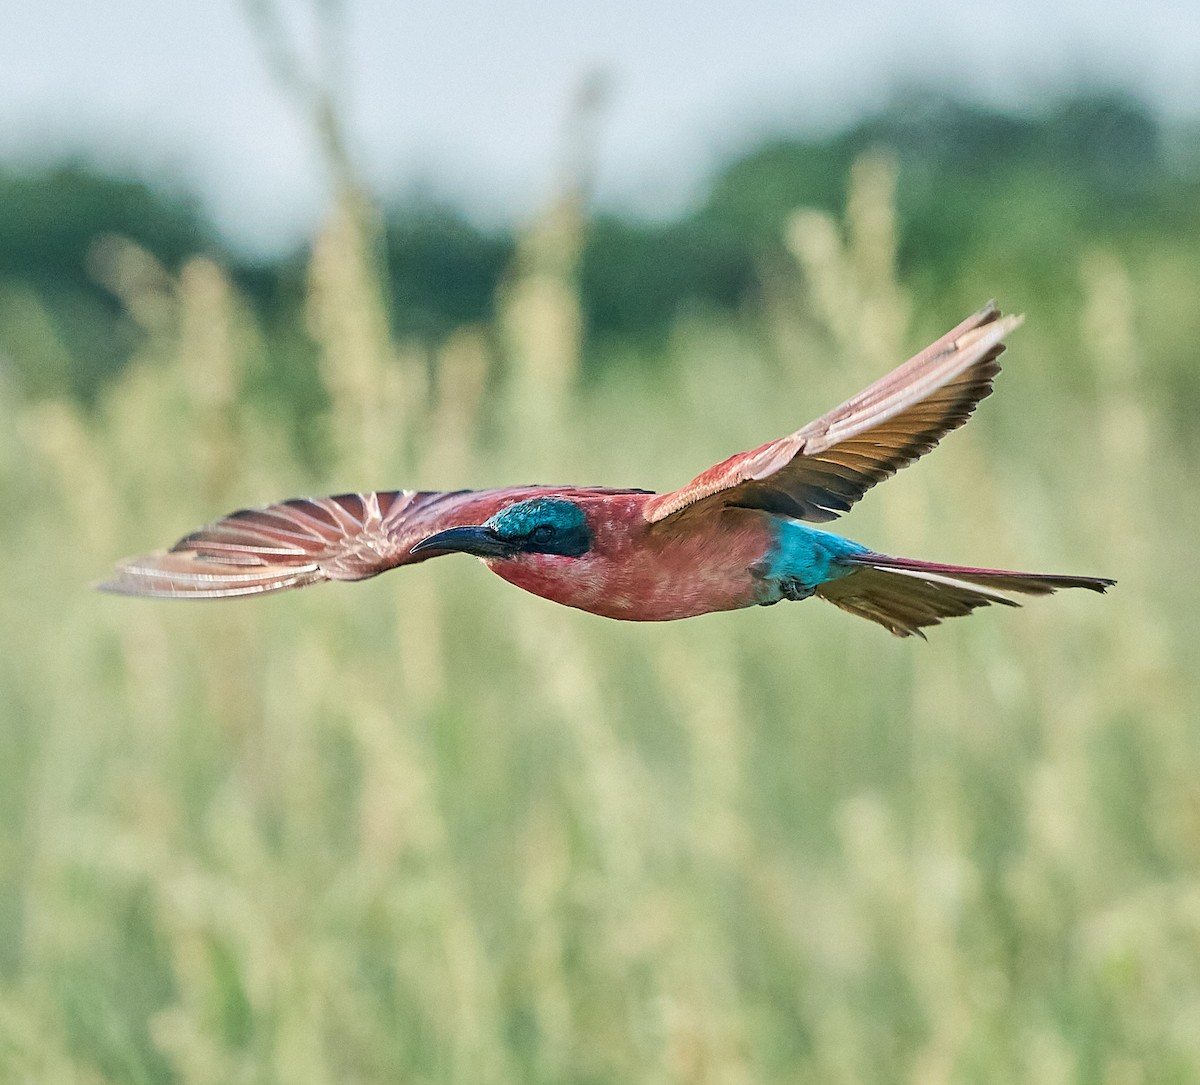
541, 534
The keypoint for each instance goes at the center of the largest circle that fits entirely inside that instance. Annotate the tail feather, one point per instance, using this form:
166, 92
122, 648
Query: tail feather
905, 595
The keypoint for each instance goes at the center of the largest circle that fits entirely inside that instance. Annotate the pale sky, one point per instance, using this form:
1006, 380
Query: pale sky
470, 96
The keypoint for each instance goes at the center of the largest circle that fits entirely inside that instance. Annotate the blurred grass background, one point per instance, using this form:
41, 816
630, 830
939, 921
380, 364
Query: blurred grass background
430, 829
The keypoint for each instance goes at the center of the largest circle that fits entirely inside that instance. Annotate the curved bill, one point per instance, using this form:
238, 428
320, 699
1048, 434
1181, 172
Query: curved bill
475, 539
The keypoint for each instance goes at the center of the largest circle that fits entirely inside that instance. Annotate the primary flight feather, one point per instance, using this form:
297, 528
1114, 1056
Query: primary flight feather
732, 537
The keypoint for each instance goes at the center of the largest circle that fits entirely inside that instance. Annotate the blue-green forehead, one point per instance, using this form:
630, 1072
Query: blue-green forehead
523, 517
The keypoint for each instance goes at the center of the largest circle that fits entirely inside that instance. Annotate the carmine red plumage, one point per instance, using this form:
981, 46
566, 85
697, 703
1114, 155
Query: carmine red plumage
730, 538
638, 573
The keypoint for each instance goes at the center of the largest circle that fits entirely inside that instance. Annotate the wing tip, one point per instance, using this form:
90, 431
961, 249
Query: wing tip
995, 330
130, 576
172, 574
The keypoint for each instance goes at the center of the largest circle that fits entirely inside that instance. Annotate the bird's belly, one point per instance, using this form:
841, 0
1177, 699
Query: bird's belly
633, 593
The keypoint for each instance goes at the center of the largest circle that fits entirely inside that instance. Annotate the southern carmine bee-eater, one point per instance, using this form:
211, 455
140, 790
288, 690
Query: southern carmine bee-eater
735, 536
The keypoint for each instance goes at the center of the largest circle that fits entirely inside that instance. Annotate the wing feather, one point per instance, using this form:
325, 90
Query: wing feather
819, 471
304, 541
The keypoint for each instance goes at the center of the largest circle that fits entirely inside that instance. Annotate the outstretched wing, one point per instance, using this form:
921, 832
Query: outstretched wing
819, 471
303, 541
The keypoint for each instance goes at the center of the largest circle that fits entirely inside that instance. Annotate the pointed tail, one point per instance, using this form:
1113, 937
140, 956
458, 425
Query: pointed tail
904, 595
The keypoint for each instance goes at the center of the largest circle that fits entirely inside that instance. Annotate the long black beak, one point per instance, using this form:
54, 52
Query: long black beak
477, 540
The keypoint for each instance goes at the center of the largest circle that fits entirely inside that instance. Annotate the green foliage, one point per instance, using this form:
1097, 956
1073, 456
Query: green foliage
443, 270
978, 188
637, 278
49, 223
49, 220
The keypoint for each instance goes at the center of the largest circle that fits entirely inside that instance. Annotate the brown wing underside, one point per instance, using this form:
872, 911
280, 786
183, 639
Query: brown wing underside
819, 471
303, 541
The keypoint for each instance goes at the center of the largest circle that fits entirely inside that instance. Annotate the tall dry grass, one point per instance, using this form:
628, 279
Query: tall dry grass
431, 829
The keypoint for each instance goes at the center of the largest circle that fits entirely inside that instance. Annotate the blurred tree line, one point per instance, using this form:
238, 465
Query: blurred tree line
988, 200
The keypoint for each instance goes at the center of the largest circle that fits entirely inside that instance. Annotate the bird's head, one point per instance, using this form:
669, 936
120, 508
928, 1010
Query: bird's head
541, 525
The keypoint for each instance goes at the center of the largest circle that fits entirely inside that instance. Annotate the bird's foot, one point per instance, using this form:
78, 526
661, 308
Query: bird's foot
794, 589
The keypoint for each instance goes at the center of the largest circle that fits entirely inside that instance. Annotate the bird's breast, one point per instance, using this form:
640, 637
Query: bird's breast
641, 572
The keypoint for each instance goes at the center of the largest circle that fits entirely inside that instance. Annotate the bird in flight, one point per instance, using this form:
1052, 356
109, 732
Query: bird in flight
735, 536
